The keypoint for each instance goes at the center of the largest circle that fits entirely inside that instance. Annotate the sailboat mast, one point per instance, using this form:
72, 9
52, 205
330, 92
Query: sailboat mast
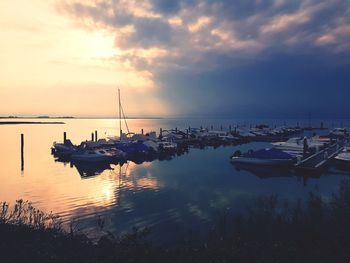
120, 117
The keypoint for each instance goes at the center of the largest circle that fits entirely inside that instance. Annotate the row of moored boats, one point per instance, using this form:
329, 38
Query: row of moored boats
290, 152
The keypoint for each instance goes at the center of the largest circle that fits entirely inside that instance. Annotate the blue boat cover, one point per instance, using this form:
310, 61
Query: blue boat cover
268, 154
132, 147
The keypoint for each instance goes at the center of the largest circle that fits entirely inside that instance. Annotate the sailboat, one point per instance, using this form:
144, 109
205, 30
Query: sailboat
134, 144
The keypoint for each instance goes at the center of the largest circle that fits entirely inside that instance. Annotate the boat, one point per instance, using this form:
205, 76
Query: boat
268, 156
339, 133
297, 144
63, 149
95, 155
134, 148
165, 146
222, 136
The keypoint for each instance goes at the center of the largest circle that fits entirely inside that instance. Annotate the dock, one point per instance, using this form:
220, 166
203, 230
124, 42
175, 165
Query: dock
318, 161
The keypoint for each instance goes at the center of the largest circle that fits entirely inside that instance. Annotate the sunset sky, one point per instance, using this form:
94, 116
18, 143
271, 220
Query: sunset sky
254, 58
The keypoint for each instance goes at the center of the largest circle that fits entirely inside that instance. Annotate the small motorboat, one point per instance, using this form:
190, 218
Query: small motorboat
65, 149
95, 155
269, 156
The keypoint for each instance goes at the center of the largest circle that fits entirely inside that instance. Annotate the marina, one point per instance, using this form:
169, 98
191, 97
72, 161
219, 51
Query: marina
191, 185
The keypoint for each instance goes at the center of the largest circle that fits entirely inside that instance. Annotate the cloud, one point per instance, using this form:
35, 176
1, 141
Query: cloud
190, 38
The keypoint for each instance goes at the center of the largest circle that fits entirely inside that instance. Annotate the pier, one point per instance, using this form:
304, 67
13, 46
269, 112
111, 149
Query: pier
319, 160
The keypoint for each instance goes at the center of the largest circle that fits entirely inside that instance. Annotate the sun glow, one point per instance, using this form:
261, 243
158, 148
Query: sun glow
47, 55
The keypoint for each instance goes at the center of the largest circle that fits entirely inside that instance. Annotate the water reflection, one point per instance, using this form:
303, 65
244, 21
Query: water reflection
264, 172
90, 169
188, 190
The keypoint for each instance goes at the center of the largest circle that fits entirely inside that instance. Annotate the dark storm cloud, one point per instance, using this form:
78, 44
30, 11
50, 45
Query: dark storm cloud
234, 57
166, 7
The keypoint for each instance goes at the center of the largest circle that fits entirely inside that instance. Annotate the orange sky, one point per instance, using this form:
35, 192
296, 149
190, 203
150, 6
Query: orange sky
52, 66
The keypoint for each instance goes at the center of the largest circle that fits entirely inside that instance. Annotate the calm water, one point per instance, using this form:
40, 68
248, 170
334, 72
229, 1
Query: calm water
173, 196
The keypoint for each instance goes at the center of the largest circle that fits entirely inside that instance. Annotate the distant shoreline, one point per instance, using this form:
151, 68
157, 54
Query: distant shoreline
29, 122
81, 118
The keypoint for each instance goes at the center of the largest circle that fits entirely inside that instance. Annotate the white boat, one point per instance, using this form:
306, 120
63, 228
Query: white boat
297, 144
221, 135
167, 146
270, 157
97, 155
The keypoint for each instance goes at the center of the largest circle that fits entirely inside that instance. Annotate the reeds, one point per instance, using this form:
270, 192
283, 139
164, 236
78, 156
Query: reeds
24, 213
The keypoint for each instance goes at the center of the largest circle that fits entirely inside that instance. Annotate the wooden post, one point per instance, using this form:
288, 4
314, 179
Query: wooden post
187, 133
22, 151
142, 131
189, 128
176, 129
160, 132
92, 136
96, 136
64, 137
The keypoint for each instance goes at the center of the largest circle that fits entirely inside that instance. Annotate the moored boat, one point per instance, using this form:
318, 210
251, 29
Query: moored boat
297, 144
96, 155
270, 157
63, 149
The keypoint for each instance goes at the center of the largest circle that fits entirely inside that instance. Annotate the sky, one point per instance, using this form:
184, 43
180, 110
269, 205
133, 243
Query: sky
188, 58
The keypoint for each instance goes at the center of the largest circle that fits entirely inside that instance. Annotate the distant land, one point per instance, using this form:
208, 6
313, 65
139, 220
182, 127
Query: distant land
70, 117
29, 122
36, 117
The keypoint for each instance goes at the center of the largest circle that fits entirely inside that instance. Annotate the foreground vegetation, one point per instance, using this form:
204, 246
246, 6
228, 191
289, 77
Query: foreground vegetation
271, 230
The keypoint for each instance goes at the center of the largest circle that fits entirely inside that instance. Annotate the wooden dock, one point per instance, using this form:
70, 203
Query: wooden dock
319, 160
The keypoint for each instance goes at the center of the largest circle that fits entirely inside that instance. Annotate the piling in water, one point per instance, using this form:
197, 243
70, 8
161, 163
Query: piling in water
22, 151
96, 136
64, 137
92, 136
